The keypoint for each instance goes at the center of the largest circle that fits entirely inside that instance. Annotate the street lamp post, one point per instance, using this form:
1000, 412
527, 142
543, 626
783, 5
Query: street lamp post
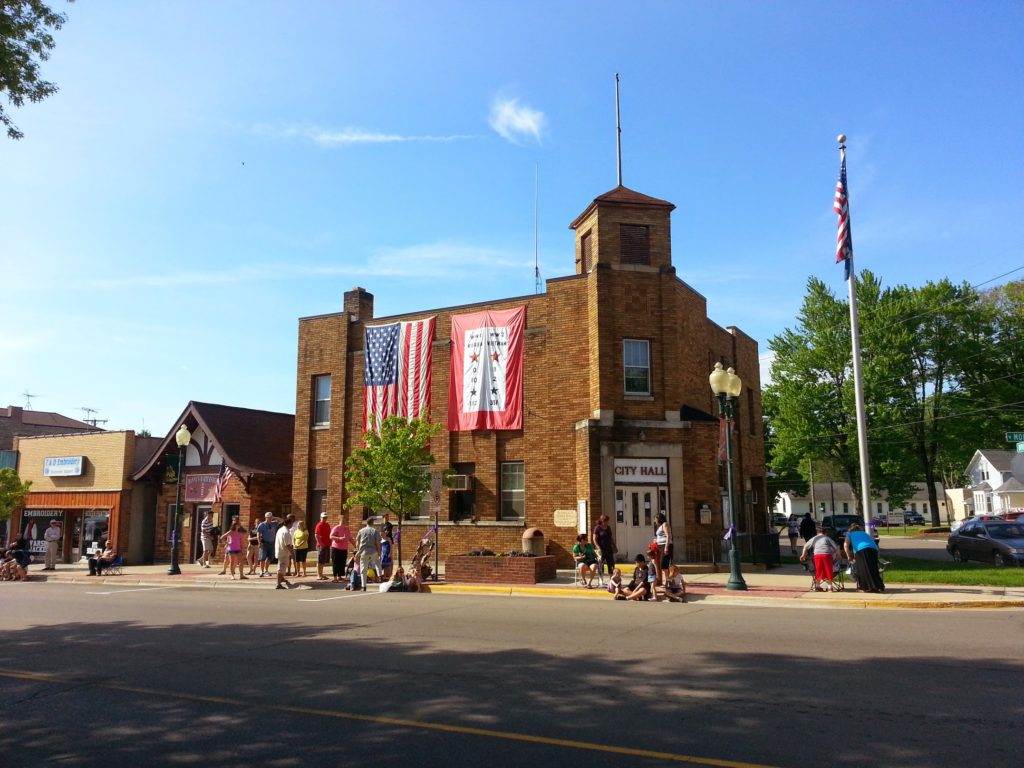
182, 438
726, 386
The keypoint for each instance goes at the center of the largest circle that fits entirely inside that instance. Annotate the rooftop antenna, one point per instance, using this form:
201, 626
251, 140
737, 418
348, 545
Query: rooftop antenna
618, 129
92, 421
28, 399
536, 250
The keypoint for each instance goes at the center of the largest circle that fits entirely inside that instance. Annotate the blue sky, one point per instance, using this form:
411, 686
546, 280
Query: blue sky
211, 172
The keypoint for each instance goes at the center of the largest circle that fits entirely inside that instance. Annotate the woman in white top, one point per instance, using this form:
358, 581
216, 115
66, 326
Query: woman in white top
663, 538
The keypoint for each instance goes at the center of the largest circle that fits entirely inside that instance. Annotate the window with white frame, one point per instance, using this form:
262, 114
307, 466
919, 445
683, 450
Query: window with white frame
322, 401
513, 490
636, 361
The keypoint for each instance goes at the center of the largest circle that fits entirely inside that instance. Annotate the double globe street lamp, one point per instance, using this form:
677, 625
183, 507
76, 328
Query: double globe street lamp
726, 386
182, 438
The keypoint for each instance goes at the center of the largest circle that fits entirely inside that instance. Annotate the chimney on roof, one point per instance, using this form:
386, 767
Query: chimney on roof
359, 304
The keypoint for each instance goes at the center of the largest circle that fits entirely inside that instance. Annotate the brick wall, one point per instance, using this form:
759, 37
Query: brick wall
573, 376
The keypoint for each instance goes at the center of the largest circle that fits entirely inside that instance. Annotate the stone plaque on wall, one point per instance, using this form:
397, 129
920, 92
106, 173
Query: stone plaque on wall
565, 518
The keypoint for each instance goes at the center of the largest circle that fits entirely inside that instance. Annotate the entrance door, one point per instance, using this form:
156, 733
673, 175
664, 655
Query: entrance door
639, 509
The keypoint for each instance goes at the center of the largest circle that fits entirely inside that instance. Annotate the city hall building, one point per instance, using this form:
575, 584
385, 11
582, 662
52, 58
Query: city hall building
591, 398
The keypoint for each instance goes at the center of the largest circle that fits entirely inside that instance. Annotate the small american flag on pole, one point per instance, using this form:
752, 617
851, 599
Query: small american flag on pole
397, 373
844, 239
222, 482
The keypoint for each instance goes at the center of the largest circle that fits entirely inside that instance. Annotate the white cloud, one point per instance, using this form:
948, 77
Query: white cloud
514, 121
426, 261
349, 135
357, 136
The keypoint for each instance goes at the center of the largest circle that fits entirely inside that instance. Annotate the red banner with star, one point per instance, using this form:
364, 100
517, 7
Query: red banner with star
486, 383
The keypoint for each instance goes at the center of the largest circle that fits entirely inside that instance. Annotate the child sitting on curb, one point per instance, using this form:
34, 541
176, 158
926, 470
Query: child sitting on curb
615, 585
675, 587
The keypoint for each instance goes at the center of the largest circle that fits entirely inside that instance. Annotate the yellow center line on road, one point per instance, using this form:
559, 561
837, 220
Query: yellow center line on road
401, 722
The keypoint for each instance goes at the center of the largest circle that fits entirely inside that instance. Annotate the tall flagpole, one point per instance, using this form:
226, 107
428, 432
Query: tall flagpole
844, 252
618, 131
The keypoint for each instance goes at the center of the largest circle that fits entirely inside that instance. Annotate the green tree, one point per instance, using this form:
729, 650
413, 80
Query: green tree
929, 350
25, 41
391, 472
12, 492
810, 404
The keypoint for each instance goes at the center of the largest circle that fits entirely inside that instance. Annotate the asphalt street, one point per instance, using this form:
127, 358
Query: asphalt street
924, 549
116, 676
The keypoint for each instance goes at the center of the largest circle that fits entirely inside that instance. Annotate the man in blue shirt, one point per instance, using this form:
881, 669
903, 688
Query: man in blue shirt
267, 531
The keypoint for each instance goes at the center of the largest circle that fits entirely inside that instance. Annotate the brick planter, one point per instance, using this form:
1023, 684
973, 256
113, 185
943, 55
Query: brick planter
463, 569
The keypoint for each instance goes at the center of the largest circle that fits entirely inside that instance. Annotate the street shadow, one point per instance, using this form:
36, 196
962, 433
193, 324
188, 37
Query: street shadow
128, 693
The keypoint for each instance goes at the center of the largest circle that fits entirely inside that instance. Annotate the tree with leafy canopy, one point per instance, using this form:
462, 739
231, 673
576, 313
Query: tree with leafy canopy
12, 492
810, 404
390, 473
26, 40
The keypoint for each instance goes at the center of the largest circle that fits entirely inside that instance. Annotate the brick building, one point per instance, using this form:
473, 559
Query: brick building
84, 482
255, 445
618, 416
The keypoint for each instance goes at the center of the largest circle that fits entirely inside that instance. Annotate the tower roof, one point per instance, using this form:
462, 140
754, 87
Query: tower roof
623, 196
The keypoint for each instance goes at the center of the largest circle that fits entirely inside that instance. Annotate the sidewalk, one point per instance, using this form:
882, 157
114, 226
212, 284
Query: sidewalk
786, 586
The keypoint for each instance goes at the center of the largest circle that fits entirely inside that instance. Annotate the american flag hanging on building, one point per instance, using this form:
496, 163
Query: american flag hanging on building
222, 482
397, 374
844, 239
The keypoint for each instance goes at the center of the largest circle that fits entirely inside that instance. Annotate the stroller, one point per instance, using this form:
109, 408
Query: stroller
838, 584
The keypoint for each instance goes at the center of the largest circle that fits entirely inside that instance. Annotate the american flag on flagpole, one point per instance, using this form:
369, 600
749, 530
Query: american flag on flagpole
844, 239
222, 482
397, 374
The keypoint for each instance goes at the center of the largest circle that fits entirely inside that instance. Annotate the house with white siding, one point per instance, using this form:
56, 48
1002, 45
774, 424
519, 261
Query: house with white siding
838, 498
996, 480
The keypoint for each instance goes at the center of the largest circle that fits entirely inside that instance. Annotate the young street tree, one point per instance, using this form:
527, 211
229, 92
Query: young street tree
390, 474
12, 492
25, 41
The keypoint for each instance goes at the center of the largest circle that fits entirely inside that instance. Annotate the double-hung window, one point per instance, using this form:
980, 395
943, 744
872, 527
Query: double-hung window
636, 360
322, 401
513, 490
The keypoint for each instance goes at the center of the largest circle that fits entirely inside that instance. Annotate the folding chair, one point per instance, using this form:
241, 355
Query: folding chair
116, 568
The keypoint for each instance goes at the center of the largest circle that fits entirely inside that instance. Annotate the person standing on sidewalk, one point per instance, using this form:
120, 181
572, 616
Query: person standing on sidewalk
267, 540
341, 542
825, 552
663, 538
284, 549
300, 537
604, 540
233, 542
206, 536
322, 534
861, 548
793, 531
808, 529
52, 538
368, 547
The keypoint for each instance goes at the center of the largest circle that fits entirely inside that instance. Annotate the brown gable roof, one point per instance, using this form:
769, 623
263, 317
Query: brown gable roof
622, 196
252, 442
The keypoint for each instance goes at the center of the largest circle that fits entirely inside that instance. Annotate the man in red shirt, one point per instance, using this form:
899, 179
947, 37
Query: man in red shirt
322, 533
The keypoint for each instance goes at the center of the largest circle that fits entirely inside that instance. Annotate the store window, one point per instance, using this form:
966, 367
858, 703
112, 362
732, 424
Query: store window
322, 401
637, 366
513, 490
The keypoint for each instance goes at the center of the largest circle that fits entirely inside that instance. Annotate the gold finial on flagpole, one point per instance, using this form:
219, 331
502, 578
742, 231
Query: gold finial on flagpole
841, 138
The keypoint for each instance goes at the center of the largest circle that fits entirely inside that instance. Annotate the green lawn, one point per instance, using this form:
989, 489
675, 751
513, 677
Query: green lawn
912, 530
910, 570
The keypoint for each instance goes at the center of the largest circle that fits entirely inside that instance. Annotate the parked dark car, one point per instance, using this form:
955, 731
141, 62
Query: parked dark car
987, 541
778, 518
913, 518
836, 526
